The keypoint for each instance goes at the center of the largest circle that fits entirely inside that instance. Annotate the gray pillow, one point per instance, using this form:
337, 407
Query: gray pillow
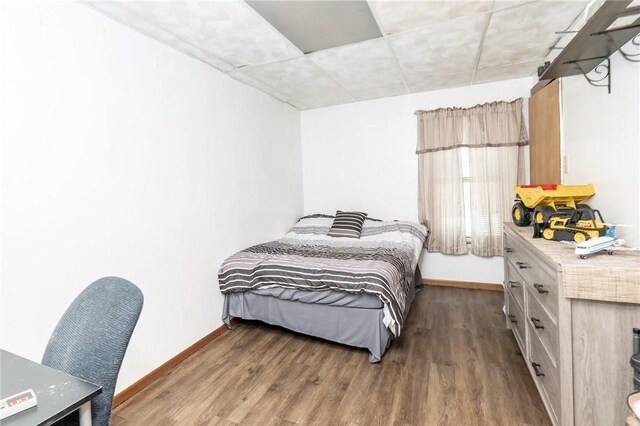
347, 224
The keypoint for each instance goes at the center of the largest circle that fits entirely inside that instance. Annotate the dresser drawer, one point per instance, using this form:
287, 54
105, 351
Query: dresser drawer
537, 275
546, 375
515, 284
518, 321
544, 289
514, 252
542, 327
522, 259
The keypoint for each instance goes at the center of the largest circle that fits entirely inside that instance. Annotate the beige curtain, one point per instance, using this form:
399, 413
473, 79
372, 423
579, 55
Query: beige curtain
494, 135
441, 201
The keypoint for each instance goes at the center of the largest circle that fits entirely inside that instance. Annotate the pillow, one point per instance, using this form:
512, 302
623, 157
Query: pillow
347, 224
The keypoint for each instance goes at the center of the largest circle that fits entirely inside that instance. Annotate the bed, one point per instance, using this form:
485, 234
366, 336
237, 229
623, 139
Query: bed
354, 291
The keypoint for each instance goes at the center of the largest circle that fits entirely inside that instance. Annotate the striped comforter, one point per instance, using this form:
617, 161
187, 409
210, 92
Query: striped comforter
381, 262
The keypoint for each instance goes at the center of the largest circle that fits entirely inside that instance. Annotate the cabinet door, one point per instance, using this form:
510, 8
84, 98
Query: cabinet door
544, 132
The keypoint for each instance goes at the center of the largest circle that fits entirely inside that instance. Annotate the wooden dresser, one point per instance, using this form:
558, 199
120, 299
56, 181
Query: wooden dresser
573, 320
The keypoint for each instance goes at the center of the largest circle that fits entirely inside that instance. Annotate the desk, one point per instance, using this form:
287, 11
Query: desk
58, 393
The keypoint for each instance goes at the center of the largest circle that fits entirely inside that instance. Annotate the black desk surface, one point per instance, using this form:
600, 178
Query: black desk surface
58, 393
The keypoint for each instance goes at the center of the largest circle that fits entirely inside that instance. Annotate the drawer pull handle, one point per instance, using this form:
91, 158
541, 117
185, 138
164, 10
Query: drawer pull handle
513, 319
536, 368
509, 250
512, 284
540, 288
537, 323
521, 265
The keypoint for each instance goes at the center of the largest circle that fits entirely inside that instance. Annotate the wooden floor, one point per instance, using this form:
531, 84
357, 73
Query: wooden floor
454, 364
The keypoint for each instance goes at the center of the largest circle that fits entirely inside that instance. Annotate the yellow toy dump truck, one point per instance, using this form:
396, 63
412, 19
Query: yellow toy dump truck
556, 213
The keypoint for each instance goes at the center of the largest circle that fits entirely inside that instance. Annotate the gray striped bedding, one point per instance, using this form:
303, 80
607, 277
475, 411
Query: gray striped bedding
381, 262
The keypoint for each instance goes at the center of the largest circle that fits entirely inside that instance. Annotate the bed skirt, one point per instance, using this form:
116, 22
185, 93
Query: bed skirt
359, 327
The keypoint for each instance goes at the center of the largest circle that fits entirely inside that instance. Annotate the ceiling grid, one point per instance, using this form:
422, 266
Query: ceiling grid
425, 44
480, 45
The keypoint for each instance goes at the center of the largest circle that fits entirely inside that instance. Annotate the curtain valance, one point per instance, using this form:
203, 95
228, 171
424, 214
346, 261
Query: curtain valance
488, 125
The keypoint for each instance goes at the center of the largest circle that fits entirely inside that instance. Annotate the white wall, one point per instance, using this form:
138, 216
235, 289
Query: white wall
362, 156
121, 156
601, 138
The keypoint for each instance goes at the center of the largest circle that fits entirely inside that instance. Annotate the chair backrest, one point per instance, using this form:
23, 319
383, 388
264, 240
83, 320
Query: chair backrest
92, 336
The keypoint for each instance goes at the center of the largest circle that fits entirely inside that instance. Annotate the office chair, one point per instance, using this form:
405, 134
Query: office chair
91, 338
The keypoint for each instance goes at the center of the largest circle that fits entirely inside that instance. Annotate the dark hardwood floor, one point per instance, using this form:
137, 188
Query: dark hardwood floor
454, 364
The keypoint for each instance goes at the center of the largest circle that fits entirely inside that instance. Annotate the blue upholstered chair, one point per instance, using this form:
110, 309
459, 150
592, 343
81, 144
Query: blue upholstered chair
91, 338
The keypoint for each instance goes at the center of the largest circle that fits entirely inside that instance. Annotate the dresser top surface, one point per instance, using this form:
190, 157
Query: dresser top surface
613, 278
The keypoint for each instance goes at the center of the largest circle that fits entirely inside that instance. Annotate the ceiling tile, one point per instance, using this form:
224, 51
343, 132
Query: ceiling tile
512, 39
395, 16
302, 80
379, 92
441, 81
196, 52
505, 4
368, 68
117, 12
230, 30
507, 72
241, 76
442, 49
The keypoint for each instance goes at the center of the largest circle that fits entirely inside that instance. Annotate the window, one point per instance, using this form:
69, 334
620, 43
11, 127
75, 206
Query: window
469, 161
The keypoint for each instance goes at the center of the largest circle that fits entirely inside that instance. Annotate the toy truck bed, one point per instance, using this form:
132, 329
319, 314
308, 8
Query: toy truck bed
550, 195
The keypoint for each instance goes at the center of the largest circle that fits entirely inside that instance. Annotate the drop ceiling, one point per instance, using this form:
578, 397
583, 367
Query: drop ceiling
424, 45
